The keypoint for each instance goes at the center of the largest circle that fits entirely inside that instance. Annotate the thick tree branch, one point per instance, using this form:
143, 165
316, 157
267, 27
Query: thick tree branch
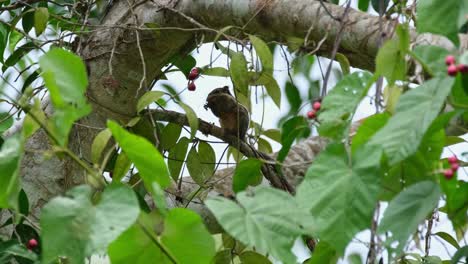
268, 168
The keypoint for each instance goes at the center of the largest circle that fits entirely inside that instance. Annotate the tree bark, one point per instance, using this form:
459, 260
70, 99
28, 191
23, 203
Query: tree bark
124, 57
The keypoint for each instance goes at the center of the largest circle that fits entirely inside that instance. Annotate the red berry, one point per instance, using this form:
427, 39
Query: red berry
448, 174
452, 159
191, 86
311, 114
463, 68
32, 243
449, 60
316, 106
454, 166
194, 73
452, 70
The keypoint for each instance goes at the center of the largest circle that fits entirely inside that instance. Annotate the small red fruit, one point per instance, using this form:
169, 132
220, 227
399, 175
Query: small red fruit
316, 106
311, 114
448, 174
32, 243
191, 86
454, 166
452, 159
452, 70
463, 68
449, 60
194, 73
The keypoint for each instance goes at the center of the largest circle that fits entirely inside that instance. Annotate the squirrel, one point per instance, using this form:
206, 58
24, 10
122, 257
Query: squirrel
233, 117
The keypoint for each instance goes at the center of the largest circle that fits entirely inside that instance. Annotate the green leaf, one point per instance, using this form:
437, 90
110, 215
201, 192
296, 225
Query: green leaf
323, 254
378, 5
252, 257
13, 248
159, 199
414, 113
390, 61
99, 143
192, 119
341, 193
186, 238
443, 18
344, 63
338, 106
30, 126
199, 171
274, 134
294, 97
136, 246
6, 121
147, 159
264, 53
448, 238
363, 5
391, 94
27, 21
456, 206
407, 210
368, 128
15, 37
207, 156
148, 98
264, 146
239, 74
4, 32
177, 157
267, 219
18, 54
271, 86
248, 173
72, 226
432, 58
41, 15
10, 157
462, 252
215, 71
121, 167
296, 127
184, 63
65, 77
169, 135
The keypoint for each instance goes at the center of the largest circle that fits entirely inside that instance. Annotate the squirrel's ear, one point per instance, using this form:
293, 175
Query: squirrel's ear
226, 88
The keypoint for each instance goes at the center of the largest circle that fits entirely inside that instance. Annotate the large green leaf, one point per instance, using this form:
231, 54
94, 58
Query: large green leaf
266, 218
339, 105
390, 61
456, 206
323, 254
271, 86
415, 111
136, 246
147, 159
341, 193
73, 226
442, 17
186, 237
407, 210
65, 77
148, 98
10, 156
169, 135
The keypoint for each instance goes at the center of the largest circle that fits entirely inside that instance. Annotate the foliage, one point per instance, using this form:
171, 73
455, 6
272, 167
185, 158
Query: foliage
393, 159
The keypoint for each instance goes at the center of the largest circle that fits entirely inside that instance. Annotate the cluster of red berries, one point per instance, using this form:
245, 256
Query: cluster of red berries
452, 68
315, 108
193, 75
32, 244
453, 161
